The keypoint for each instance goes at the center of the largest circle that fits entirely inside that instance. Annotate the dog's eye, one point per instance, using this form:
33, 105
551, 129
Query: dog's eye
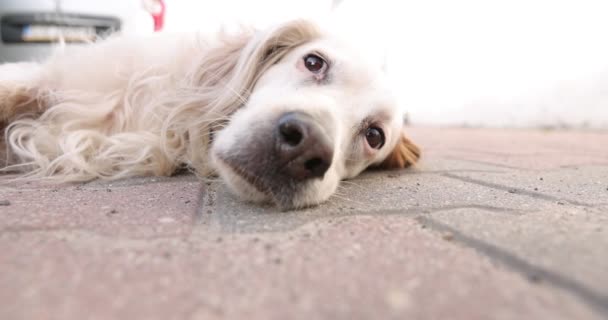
314, 63
374, 137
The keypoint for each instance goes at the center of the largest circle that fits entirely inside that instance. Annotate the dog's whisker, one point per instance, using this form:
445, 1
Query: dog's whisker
352, 183
346, 199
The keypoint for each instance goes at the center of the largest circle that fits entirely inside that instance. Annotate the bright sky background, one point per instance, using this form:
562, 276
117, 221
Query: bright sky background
475, 62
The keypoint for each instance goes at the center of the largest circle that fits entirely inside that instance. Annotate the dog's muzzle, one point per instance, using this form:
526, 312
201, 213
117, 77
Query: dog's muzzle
284, 157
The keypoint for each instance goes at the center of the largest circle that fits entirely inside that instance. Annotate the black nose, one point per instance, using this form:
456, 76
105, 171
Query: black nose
303, 147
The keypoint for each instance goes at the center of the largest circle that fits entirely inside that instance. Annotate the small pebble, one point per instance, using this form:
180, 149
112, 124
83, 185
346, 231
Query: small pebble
166, 220
5, 203
448, 236
113, 211
534, 278
398, 300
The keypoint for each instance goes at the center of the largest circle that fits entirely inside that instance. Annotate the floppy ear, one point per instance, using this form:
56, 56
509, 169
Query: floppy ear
15, 100
405, 154
268, 47
240, 60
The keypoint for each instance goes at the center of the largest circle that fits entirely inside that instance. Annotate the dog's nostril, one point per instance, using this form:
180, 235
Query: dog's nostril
291, 133
303, 151
316, 166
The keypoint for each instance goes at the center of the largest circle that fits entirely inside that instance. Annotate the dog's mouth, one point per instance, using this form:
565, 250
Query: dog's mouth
278, 188
248, 177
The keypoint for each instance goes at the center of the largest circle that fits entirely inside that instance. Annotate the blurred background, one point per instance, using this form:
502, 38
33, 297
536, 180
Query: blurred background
490, 63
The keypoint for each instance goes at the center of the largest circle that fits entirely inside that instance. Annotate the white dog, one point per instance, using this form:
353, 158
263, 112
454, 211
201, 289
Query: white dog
282, 115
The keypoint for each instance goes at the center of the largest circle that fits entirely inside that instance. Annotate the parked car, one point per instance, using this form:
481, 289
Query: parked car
30, 29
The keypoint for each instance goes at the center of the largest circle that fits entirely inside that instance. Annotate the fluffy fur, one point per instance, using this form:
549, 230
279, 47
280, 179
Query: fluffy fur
150, 106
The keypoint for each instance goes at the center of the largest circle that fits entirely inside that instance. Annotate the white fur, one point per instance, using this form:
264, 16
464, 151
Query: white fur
147, 106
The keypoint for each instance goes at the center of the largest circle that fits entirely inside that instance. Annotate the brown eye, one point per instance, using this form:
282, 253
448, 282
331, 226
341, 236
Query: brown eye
314, 63
374, 137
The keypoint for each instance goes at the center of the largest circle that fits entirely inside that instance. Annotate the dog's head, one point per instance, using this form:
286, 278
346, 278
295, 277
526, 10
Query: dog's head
317, 113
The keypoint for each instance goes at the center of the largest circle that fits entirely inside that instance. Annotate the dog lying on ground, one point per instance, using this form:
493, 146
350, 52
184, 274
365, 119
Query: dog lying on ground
282, 115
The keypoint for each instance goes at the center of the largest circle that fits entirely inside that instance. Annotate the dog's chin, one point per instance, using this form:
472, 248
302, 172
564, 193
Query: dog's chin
250, 187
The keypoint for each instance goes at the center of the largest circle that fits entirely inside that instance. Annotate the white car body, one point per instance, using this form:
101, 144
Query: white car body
31, 29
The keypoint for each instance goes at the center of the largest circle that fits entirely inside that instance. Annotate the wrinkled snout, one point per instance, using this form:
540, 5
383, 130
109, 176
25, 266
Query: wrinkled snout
302, 148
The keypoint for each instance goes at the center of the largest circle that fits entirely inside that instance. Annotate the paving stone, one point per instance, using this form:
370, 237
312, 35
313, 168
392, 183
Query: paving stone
465, 236
403, 193
565, 247
135, 207
439, 164
524, 149
576, 185
374, 267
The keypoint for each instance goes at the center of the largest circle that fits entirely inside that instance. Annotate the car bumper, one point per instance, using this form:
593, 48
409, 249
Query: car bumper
26, 52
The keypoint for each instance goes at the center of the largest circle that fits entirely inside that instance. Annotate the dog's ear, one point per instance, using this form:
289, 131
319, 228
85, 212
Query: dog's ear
241, 59
405, 154
268, 47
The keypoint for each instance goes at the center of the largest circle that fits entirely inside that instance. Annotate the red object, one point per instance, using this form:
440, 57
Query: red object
159, 17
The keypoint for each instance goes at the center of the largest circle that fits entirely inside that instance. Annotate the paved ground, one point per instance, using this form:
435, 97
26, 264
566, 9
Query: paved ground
493, 224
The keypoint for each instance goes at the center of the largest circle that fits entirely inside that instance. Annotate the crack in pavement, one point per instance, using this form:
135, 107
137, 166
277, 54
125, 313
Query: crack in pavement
424, 171
275, 221
592, 298
515, 190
